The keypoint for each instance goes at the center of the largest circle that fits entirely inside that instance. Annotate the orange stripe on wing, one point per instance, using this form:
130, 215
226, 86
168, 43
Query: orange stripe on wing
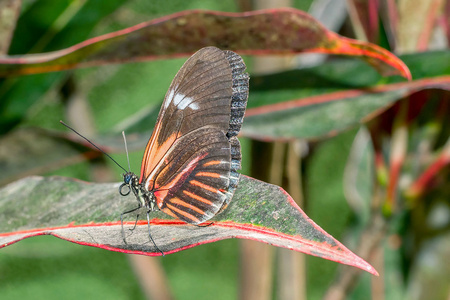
181, 176
212, 163
178, 201
154, 152
208, 174
162, 192
203, 186
183, 213
197, 197
169, 212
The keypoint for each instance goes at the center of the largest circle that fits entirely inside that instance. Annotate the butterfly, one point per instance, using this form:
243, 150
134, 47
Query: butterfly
189, 168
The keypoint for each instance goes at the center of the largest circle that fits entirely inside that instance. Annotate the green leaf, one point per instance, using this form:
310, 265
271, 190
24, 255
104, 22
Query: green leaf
88, 213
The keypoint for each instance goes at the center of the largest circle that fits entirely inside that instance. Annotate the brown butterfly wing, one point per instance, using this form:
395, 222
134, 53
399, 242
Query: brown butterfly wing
192, 157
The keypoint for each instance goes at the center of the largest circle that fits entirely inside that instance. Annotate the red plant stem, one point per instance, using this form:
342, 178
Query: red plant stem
373, 6
424, 182
399, 143
427, 29
389, 14
380, 166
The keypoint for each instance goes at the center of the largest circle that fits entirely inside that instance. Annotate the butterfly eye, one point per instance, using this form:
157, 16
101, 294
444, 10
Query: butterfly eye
126, 191
127, 178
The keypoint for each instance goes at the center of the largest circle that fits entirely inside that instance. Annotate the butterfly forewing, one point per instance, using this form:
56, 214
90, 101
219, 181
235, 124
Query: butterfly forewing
191, 160
198, 96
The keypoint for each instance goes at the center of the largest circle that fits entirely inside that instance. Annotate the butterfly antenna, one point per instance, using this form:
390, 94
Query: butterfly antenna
126, 150
93, 145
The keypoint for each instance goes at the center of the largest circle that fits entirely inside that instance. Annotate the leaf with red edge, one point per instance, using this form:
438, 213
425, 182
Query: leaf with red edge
329, 114
272, 31
88, 213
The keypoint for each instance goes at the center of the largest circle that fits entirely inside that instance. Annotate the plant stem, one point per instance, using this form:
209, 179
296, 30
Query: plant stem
399, 145
424, 182
369, 244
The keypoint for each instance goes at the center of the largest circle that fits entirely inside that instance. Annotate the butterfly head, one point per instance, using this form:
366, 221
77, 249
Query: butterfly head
130, 183
127, 177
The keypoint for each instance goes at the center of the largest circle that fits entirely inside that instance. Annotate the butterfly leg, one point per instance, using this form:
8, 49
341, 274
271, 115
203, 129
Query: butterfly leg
149, 234
121, 221
135, 223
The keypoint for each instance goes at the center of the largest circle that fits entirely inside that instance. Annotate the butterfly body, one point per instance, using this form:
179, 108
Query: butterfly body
144, 197
189, 168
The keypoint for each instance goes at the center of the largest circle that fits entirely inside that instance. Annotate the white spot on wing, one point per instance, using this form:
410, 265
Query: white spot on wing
193, 106
169, 98
177, 99
181, 101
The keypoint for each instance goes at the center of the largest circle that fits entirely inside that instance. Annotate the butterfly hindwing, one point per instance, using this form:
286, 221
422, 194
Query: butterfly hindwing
193, 182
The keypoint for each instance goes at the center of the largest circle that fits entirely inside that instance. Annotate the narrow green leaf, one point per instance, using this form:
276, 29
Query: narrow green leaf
9, 12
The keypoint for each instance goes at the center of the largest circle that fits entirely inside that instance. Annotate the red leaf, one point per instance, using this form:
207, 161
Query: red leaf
272, 31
